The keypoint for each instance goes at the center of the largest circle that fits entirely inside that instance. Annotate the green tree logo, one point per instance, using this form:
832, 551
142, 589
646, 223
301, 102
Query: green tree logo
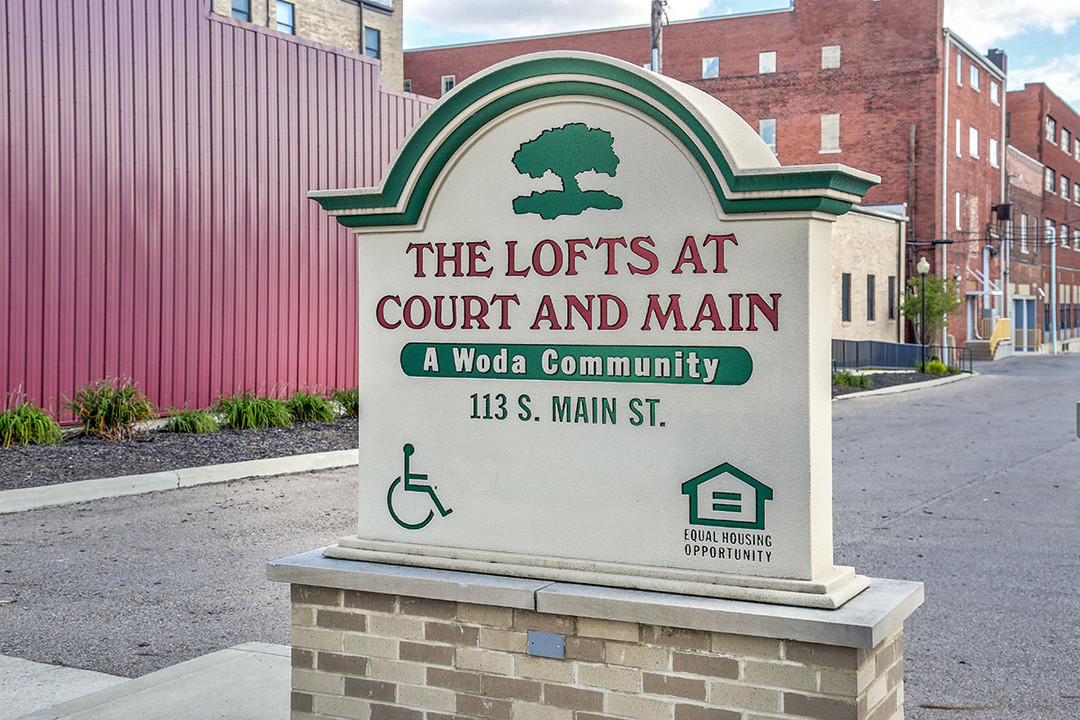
567, 151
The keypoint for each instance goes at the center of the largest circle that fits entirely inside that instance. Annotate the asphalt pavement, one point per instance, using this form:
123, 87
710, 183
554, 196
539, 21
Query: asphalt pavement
971, 488
974, 489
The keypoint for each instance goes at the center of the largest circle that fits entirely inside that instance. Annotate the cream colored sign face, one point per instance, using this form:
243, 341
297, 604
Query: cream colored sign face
577, 366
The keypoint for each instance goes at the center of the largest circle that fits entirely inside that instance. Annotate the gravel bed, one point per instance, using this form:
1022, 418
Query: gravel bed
85, 458
886, 379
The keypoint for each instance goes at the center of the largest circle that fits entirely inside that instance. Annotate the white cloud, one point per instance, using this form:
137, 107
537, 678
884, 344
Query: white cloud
1062, 75
506, 18
986, 24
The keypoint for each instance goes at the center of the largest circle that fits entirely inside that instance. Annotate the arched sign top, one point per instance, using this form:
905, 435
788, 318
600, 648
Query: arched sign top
737, 165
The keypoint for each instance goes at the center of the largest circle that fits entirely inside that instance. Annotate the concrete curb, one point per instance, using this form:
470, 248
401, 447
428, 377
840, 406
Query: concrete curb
86, 490
907, 387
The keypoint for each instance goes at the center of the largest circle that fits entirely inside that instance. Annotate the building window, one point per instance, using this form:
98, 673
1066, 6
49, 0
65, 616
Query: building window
1008, 124
830, 57
973, 142
974, 78
959, 136
1051, 129
710, 67
1064, 236
845, 297
1023, 234
1076, 148
959, 69
892, 297
995, 93
1076, 193
870, 298
241, 10
372, 42
1066, 140
993, 152
766, 62
448, 82
1064, 184
1050, 231
1076, 238
407, 85
830, 133
767, 131
957, 202
285, 12
1050, 183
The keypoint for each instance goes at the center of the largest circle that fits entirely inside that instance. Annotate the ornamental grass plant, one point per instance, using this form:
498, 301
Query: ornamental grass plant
112, 409
196, 422
27, 424
843, 377
310, 407
246, 411
349, 399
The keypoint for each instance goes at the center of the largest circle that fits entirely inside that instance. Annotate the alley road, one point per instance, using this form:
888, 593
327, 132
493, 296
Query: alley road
974, 489
971, 488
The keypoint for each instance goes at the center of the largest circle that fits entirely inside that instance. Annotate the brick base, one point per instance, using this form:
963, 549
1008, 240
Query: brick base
394, 657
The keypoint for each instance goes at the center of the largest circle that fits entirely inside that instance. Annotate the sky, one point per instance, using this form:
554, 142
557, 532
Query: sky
1041, 37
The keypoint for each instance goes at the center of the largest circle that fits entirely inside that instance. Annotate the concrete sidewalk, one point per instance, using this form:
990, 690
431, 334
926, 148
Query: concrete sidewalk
246, 682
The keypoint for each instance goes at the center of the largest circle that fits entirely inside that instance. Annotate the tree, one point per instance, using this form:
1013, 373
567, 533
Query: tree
941, 300
567, 151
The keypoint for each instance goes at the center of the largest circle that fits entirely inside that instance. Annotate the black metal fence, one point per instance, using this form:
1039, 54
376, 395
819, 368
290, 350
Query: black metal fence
859, 354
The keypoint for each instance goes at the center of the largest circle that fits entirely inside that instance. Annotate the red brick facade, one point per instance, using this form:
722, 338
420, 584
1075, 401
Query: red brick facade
869, 74
1046, 130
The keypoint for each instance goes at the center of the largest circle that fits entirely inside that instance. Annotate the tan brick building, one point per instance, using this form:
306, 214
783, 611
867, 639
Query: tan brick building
366, 27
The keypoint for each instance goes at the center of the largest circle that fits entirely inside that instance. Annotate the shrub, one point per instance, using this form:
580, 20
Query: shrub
27, 424
932, 367
350, 400
197, 422
843, 377
310, 407
111, 409
244, 411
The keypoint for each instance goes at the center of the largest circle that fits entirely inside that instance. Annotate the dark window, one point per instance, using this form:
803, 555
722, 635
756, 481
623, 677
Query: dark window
241, 10
845, 297
407, 85
870, 297
286, 17
372, 43
892, 297
1008, 124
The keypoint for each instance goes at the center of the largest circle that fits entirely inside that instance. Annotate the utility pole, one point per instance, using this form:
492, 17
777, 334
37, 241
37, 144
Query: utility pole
658, 18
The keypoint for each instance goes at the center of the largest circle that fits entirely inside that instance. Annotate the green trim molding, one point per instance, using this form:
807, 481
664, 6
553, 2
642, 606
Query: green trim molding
484, 98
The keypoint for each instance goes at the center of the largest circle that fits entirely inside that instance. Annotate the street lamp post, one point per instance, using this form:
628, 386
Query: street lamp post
923, 267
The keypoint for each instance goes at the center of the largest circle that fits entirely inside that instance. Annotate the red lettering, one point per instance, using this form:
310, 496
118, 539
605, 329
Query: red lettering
419, 248
438, 312
546, 313
673, 311
556, 255
636, 246
720, 240
610, 244
584, 311
735, 300
771, 313
476, 255
443, 258
380, 315
573, 253
511, 270
504, 307
708, 313
468, 317
408, 315
604, 323
689, 254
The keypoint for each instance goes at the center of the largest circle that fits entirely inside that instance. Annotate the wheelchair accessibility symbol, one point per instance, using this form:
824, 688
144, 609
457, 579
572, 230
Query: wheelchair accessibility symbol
409, 484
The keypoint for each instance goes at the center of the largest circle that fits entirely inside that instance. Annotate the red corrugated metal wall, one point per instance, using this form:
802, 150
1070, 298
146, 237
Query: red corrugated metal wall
156, 161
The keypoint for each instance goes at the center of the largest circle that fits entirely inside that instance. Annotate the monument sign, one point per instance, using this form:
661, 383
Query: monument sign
594, 341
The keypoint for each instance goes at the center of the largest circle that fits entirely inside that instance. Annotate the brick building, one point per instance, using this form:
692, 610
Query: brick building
1044, 175
367, 27
880, 86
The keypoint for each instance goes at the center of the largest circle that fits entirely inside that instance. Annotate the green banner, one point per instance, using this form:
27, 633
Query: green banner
671, 364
